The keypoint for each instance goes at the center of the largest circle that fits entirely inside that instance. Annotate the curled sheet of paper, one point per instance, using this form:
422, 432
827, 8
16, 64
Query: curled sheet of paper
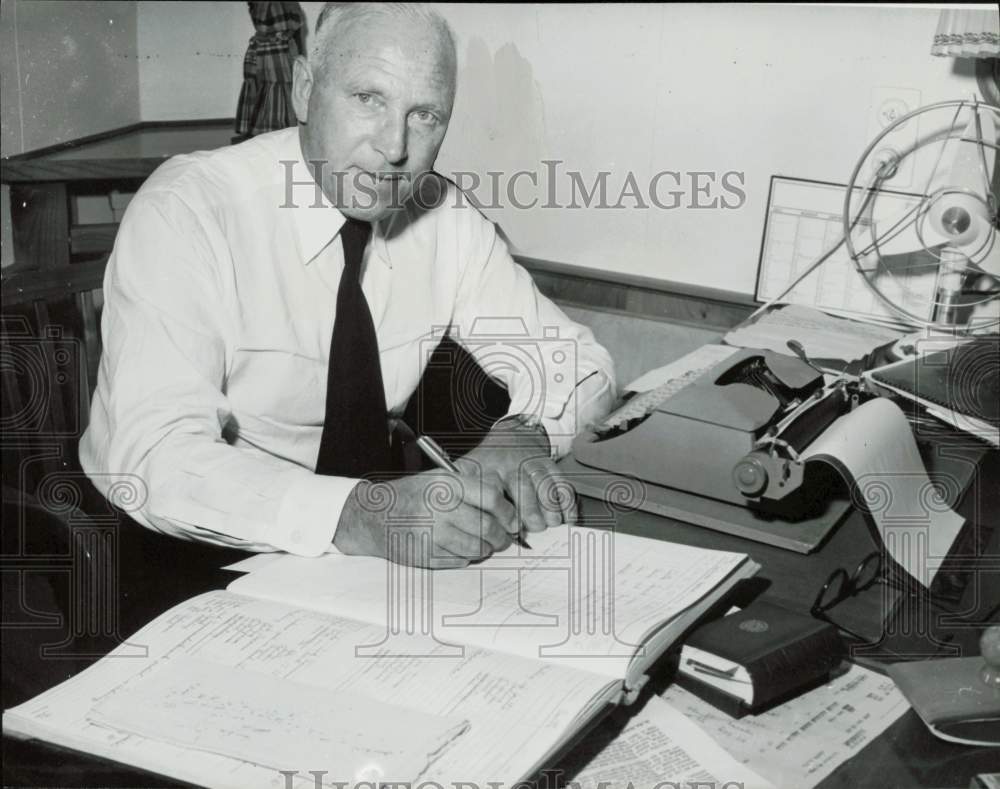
276, 722
873, 449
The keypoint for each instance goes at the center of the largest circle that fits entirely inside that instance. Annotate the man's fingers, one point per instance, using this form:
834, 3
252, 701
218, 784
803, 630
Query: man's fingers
526, 501
423, 547
485, 492
557, 496
541, 478
482, 525
445, 558
463, 534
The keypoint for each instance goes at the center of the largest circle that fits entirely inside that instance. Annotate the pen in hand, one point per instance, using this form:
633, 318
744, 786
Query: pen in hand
440, 458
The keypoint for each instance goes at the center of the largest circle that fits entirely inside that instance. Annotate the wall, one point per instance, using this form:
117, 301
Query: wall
191, 58
68, 70
194, 43
753, 89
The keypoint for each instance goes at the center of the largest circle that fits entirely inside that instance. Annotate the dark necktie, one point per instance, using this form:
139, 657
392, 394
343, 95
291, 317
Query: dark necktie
355, 437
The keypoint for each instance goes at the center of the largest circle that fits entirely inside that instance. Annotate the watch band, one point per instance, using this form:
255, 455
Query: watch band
526, 422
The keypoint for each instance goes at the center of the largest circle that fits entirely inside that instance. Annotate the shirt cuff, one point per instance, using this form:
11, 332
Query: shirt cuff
309, 514
560, 442
591, 400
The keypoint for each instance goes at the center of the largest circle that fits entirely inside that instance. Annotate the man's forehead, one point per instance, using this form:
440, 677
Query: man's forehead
421, 76
391, 42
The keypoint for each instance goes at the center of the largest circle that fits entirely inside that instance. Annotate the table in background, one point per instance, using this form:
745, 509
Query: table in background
44, 183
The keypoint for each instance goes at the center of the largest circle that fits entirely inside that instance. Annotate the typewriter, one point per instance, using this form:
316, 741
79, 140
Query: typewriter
734, 433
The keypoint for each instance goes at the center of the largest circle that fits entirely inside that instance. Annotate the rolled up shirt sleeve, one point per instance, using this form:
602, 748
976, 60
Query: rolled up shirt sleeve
161, 418
555, 372
592, 399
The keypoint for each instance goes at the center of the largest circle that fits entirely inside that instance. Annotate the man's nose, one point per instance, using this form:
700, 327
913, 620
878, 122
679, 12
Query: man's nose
392, 139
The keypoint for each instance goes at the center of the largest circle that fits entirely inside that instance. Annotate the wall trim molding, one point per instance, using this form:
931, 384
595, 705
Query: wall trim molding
77, 142
638, 296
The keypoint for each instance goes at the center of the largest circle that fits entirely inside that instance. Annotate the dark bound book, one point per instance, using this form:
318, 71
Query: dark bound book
744, 662
964, 379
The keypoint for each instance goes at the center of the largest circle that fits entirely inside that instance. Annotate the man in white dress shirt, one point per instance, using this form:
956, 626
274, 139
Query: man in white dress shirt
221, 302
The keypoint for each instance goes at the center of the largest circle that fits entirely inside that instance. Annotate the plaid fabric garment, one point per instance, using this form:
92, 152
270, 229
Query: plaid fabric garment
265, 100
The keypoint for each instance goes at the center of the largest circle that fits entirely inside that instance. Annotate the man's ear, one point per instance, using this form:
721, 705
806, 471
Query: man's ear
302, 85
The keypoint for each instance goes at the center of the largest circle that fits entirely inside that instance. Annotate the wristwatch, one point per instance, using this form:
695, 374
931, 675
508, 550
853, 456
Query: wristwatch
524, 422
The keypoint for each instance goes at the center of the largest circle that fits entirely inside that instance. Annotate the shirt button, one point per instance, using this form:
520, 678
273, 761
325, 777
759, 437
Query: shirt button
296, 536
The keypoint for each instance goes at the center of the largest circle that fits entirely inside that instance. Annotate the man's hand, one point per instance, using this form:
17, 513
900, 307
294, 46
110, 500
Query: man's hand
434, 519
519, 456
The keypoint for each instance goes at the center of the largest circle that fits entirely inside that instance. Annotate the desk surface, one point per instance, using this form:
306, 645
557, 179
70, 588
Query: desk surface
906, 755
132, 152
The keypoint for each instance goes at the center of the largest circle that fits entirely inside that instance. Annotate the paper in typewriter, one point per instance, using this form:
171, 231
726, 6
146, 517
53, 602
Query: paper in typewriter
873, 449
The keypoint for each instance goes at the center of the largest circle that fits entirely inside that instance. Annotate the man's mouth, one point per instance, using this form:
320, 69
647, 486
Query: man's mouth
385, 178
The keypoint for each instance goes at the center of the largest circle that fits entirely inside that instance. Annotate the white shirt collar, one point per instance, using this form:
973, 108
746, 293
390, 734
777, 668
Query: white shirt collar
315, 219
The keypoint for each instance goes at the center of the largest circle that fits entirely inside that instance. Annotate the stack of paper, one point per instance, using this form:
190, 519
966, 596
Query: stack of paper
822, 336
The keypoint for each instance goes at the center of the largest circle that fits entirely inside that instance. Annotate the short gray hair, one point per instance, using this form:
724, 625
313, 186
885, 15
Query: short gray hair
336, 15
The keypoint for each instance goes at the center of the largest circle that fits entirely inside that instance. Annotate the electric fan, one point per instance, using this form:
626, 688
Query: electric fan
937, 262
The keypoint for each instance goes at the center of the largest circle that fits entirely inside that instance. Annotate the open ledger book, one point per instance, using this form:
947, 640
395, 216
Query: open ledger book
355, 669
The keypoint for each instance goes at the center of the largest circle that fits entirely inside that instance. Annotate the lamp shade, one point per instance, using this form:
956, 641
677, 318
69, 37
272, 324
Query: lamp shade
968, 33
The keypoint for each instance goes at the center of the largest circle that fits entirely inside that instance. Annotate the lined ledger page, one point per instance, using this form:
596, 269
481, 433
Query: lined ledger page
490, 716
581, 597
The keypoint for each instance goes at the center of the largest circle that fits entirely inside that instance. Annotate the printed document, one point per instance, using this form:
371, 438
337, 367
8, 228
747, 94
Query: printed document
802, 741
659, 744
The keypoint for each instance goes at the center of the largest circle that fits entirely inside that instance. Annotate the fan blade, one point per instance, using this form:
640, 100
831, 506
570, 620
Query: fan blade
983, 252
959, 202
972, 167
899, 234
966, 160
956, 213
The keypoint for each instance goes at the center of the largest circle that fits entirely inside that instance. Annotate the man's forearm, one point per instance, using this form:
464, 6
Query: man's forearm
356, 532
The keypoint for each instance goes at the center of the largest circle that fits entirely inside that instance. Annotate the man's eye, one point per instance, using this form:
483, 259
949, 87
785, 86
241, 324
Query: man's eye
423, 116
364, 98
